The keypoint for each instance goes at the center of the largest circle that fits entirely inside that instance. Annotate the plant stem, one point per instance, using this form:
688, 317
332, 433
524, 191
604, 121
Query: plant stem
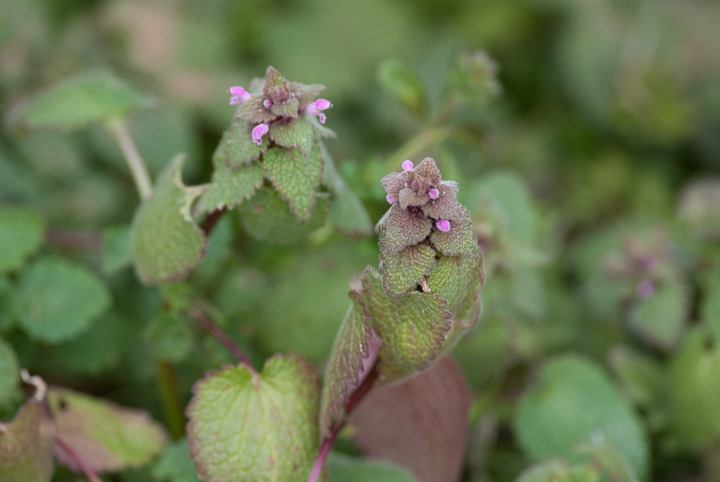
119, 130
208, 325
211, 220
171, 402
76, 459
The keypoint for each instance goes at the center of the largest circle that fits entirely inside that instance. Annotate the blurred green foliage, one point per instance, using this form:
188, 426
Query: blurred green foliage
591, 167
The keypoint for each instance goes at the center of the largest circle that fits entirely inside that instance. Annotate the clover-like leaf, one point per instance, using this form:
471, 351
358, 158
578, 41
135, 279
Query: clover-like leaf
167, 244
79, 101
406, 268
26, 445
9, 373
575, 404
21, 234
230, 187
345, 364
296, 133
421, 424
402, 227
296, 177
412, 327
459, 240
236, 147
57, 300
661, 318
268, 218
106, 436
175, 464
247, 426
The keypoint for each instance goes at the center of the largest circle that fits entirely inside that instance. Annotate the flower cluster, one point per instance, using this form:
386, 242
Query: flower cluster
275, 100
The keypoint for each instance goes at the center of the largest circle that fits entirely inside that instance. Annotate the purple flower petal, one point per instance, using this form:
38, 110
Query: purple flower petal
267, 103
258, 132
390, 199
239, 95
433, 193
408, 166
443, 225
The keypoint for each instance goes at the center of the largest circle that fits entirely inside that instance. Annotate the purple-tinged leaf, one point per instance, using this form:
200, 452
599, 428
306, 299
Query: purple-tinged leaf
408, 197
445, 206
421, 424
406, 268
236, 147
459, 240
26, 445
254, 111
400, 228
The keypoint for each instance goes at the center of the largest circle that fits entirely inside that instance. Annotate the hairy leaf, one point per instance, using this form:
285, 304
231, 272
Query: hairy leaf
296, 177
250, 427
343, 468
344, 368
79, 101
661, 318
230, 187
575, 404
236, 147
57, 300
459, 241
451, 279
268, 218
106, 436
175, 464
21, 234
400, 228
26, 445
412, 327
9, 373
167, 244
297, 134
421, 423
117, 252
403, 270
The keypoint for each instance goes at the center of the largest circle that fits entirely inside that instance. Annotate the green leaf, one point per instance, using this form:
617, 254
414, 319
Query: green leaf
7, 295
694, 394
57, 300
166, 243
246, 426
451, 279
117, 249
231, 187
642, 378
21, 235
26, 445
170, 337
237, 148
345, 364
574, 404
108, 437
297, 134
412, 327
403, 270
296, 177
343, 468
609, 462
556, 470
710, 305
459, 241
79, 101
268, 218
400, 82
9, 373
661, 318
175, 464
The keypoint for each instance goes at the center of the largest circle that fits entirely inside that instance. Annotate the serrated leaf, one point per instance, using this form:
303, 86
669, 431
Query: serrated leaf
169, 336
574, 404
166, 243
693, 392
459, 241
57, 300
661, 318
21, 234
268, 218
403, 270
253, 110
556, 470
345, 365
343, 468
79, 101
248, 426
26, 445
236, 147
421, 424
451, 279
231, 187
107, 437
9, 373
412, 327
296, 177
297, 133
400, 228
175, 464
117, 249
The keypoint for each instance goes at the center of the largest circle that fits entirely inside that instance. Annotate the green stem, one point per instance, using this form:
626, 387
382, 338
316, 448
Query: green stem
170, 399
422, 141
120, 132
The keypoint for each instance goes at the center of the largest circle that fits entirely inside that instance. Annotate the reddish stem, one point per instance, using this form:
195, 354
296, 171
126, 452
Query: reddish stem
360, 392
79, 462
211, 220
208, 325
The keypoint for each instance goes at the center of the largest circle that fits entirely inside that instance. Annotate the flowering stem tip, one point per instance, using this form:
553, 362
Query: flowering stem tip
239, 95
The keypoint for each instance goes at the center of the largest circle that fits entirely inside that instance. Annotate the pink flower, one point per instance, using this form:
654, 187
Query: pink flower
258, 132
433, 193
239, 95
317, 107
645, 289
408, 166
443, 225
390, 199
267, 103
